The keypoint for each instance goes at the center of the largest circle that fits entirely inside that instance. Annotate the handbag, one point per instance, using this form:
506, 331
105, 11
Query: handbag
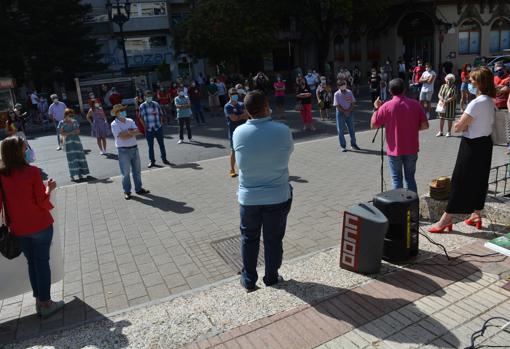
10, 246
501, 127
440, 107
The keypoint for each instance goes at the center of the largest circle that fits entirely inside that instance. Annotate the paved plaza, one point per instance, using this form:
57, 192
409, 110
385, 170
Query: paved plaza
119, 254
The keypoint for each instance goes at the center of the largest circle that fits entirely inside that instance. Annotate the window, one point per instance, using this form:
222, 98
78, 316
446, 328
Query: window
339, 48
500, 35
140, 45
373, 47
469, 38
148, 9
355, 48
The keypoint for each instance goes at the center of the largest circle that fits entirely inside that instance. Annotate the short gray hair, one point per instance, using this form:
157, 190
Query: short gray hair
53, 96
450, 77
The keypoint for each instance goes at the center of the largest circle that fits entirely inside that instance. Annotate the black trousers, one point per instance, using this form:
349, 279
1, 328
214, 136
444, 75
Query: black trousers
471, 175
183, 121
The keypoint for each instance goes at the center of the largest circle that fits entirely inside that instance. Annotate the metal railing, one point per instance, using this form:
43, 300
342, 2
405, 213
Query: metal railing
498, 180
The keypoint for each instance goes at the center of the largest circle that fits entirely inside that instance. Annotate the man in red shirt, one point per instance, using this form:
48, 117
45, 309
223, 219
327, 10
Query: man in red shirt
403, 118
164, 101
501, 80
417, 73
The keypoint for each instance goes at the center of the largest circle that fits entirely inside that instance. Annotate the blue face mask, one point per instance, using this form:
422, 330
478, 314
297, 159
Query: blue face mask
473, 90
29, 156
149, 99
123, 114
234, 98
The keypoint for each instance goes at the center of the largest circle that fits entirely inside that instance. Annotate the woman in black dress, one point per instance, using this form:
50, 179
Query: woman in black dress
471, 174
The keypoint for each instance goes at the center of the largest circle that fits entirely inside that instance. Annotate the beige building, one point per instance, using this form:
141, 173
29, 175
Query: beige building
438, 31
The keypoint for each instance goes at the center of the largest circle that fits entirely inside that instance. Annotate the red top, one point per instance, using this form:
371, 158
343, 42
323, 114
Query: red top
173, 93
464, 76
194, 94
402, 118
418, 71
115, 98
163, 97
28, 205
501, 97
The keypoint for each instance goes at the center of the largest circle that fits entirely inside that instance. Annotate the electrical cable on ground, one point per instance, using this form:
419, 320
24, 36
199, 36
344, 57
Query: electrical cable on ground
481, 332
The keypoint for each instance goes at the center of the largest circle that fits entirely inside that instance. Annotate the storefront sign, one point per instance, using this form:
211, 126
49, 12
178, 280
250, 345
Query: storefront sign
7, 83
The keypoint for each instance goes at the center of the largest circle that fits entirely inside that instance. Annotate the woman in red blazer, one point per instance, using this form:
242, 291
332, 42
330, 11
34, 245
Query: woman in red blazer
27, 201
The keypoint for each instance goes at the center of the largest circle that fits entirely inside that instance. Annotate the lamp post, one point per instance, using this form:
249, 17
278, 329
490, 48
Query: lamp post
119, 14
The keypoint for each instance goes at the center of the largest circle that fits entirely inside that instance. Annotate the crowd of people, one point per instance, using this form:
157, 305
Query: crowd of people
261, 148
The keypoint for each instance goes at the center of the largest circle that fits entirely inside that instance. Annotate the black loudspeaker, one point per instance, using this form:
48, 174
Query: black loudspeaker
402, 209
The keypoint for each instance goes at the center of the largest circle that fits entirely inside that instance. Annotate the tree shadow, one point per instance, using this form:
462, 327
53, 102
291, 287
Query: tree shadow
105, 334
87, 151
357, 308
368, 152
102, 181
192, 165
163, 204
297, 179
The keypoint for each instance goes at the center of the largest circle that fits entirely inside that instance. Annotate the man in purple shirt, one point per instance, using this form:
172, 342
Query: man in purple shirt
403, 118
344, 102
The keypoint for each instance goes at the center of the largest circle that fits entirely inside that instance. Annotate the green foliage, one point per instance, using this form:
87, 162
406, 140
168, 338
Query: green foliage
223, 30
47, 40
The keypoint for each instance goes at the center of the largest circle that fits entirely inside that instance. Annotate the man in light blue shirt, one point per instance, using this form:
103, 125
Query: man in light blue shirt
262, 148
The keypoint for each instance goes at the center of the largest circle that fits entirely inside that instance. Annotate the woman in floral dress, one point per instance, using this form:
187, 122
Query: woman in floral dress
100, 128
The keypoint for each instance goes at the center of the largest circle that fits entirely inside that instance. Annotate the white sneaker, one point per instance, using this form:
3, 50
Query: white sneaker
448, 134
59, 148
179, 141
190, 140
439, 134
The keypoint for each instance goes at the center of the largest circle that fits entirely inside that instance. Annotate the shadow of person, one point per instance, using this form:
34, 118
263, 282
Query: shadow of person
356, 308
111, 156
105, 333
297, 179
206, 145
164, 204
192, 165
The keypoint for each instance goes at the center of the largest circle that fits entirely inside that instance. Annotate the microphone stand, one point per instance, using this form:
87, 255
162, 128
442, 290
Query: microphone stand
381, 128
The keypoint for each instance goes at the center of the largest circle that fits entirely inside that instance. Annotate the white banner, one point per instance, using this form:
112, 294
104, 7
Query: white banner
14, 273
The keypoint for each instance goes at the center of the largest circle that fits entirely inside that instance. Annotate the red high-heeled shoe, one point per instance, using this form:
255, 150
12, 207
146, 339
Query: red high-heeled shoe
440, 230
477, 222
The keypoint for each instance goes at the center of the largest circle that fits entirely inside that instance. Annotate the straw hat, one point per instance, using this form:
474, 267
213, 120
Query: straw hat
117, 108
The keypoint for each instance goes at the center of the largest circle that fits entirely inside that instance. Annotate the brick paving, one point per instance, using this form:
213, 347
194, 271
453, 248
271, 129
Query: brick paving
118, 254
424, 306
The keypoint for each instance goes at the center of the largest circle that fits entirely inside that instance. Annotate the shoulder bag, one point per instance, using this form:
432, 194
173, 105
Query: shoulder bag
10, 246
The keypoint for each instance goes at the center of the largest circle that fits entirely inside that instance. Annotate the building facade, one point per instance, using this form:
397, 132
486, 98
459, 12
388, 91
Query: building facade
148, 38
436, 31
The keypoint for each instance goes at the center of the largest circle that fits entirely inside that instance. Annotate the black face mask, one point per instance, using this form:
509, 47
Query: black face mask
500, 73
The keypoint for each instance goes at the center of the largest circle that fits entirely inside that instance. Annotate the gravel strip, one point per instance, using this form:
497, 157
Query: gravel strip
209, 311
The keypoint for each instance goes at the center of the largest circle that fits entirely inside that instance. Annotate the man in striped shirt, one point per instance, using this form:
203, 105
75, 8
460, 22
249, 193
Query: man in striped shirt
151, 115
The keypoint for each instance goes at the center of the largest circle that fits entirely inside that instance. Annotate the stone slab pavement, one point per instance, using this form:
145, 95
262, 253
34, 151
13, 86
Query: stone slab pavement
434, 304
118, 254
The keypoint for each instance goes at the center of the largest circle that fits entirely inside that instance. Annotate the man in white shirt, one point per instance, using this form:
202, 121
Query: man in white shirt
56, 114
34, 99
427, 89
125, 131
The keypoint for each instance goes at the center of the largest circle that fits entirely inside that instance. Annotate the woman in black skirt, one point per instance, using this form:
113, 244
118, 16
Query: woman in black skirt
471, 174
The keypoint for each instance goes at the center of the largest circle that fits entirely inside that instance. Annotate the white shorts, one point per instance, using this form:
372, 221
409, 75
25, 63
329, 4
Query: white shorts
426, 96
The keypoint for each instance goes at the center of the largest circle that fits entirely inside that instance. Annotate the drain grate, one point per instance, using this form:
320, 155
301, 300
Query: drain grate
229, 250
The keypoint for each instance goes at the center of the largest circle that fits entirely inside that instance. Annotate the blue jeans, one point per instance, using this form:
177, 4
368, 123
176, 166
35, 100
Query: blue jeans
129, 161
198, 111
272, 219
341, 121
158, 134
408, 162
36, 248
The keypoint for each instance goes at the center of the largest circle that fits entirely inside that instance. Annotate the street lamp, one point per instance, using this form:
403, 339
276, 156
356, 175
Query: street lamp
116, 15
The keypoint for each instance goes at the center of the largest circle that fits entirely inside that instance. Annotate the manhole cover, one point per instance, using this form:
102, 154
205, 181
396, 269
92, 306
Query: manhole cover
229, 250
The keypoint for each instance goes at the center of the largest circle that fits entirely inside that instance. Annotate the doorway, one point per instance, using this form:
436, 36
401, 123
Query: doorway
417, 33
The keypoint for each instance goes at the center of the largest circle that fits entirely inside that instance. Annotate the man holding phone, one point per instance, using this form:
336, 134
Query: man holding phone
125, 131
